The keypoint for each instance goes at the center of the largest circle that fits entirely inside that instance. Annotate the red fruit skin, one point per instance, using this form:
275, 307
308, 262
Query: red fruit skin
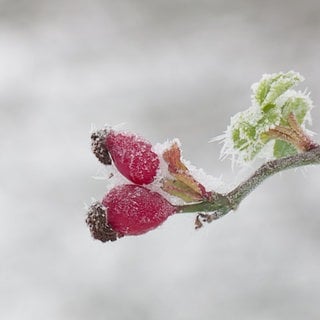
133, 157
133, 209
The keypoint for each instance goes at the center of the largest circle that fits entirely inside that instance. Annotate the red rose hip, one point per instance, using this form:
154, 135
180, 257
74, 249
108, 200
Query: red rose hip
133, 209
132, 156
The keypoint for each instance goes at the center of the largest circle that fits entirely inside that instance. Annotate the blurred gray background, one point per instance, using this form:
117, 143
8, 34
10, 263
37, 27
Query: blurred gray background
167, 69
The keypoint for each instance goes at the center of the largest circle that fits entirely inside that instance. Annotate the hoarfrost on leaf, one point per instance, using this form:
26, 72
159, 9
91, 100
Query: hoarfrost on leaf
273, 101
272, 86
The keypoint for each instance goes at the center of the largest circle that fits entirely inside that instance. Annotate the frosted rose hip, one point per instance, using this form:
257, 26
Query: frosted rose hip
132, 156
134, 210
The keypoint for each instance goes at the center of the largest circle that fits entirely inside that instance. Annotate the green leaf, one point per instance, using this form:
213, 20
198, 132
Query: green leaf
273, 101
299, 105
263, 88
273, 86
283, 149
270, 116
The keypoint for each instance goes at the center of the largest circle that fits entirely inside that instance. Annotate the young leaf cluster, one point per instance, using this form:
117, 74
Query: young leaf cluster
273, 102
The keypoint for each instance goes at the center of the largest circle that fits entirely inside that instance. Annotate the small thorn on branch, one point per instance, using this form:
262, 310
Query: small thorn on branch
205, 218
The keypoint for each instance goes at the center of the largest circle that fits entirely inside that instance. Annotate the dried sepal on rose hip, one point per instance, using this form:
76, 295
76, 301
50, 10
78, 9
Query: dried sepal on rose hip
98, 146
132, 155
97, 223
134, 210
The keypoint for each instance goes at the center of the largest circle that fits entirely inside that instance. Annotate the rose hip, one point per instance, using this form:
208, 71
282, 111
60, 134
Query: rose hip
133, 209
132, 156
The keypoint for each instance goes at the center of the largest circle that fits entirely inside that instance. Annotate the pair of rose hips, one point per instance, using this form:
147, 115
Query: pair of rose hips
129, 209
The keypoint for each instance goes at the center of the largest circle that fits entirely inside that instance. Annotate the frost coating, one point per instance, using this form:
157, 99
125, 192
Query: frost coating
273, 101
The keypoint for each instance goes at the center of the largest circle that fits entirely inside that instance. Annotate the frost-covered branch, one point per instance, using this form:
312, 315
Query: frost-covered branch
221, 204
156, 177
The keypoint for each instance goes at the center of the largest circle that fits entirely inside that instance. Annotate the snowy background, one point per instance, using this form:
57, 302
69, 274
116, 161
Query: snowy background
166, 68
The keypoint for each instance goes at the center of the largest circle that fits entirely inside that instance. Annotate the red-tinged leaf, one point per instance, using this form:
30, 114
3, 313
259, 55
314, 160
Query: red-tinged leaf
186, 186
188, 180
173, 157
179, 189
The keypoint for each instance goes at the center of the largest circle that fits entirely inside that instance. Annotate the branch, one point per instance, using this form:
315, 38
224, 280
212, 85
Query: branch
277, 113
221, 204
